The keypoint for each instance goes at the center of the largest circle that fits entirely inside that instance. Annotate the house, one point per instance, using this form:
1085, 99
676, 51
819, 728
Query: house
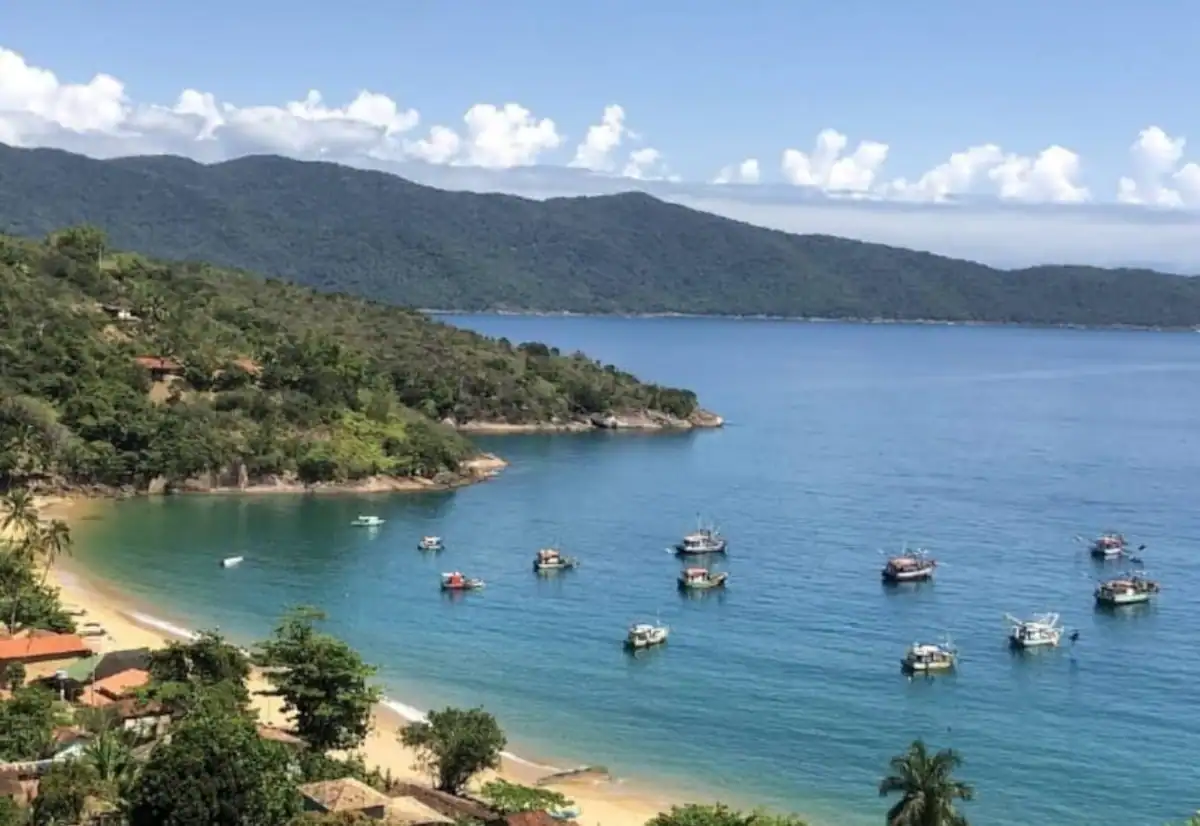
118, 686
345, 795
160, 368
145, 718
408, 811
47, 652
532, 819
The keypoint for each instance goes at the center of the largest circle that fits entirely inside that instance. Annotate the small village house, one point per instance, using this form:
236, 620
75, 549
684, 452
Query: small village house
160, 368
106, 691
532, 819
42, 653
345, 795
145, 718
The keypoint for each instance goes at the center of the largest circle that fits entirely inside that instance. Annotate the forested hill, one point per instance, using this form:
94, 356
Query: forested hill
377, 235
118, 370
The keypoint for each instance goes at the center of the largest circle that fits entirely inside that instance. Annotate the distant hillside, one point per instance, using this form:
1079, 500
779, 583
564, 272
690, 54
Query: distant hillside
380, 236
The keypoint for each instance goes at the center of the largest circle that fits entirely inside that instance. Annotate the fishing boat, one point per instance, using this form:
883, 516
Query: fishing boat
645, 635
910, 566
455, 581
706, 539
231, 561
929, 658
1129, 589
430, 543
551, 559
1040, 630
367, 522
701, 579
1108, 545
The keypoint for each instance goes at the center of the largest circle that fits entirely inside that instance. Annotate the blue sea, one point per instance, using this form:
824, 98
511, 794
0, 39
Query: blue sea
994, 447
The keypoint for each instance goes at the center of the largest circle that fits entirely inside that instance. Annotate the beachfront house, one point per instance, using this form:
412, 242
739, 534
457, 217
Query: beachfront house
42, 653
119, 686
145, 718
538, 818
345, 795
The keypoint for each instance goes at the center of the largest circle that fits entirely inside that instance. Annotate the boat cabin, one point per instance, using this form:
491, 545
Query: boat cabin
549, 555
454, 579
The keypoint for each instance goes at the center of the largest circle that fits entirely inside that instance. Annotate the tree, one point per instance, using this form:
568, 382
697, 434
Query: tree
53, 540
694, 814
215, 770
113, 766
11, 814
455, 744
510, 798
62, 793
27, 724
927, 788
321, 679
14, 675
207, 664
20, 513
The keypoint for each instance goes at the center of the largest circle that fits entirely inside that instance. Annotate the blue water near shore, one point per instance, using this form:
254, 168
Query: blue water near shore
993, 446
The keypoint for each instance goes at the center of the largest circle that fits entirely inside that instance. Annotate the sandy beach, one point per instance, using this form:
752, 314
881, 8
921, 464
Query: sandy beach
601, 801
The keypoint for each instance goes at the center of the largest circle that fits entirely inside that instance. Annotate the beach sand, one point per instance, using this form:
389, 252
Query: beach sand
601, 801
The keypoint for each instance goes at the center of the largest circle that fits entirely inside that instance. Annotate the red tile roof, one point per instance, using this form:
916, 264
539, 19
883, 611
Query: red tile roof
158, 363
33, 648
115, 687
531, 819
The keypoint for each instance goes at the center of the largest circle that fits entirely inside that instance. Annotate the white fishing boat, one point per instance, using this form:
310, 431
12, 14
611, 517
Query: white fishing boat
1129, 589
367, 522
645, 635
1108, 545
910, 566
706, 539
701, 579
1038, 631
929, 658
552, 559
231, 561
431, 543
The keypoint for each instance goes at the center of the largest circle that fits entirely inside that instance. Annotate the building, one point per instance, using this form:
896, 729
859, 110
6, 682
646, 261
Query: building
106, 691
146, 718
160, 368
532, 819
42, 653
345, 795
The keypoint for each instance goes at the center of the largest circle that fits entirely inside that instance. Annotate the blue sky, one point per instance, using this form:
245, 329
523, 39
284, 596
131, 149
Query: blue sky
705, 84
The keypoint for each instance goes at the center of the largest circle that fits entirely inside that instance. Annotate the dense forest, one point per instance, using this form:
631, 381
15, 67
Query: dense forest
118, 370
373, 234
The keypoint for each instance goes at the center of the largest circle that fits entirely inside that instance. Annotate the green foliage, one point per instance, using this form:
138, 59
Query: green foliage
456, 744
14, 675
316, 766
271, 377
510, 798
215, 770
927, 788
27, 724
62, 793
208, 664
11, 813
694, 814
388, 238
25, 599
321, 679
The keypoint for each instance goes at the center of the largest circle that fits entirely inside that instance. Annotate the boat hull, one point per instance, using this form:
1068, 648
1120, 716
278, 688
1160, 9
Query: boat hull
639, 644
431, 548
909, 667
918, 575
1119, 600
547, 568
1038, 642
713, 583
693, 550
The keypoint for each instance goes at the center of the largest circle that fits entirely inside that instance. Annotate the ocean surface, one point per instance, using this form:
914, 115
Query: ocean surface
993, 447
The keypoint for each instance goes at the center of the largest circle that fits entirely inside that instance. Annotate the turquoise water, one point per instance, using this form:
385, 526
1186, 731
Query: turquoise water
994, 447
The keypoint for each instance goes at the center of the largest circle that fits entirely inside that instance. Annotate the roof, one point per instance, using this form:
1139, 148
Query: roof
409, 810
158, 363
114, 662
278, 735
344, 795
58, 645
532, 819
131, 708
115, 687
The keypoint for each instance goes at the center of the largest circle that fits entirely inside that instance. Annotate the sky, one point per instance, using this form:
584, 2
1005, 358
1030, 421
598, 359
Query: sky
1014, 133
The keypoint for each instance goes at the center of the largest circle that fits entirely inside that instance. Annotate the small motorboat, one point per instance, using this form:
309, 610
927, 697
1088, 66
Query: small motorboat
910, 566
1108, 545
929, 658
706, 539
551, 559
1130, 589
455, 581
645, 635
431, 543
1040, 631
701, 579
367, 522
231, 561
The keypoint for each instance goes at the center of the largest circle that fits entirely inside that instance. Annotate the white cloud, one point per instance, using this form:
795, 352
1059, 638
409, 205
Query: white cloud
746, 172
508, 136
595, 153
1158, 180
828, 169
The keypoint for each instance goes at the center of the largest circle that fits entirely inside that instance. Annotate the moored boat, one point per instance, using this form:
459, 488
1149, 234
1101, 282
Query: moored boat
1108, 545
706, 539
1129, 589
929, 658
911, 566
231, 561
701, 579
430, 543
552, 559
1038, 631
645, 635
455, 581
367, 522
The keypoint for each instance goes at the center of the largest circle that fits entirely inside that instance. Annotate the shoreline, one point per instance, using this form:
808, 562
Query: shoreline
129, 623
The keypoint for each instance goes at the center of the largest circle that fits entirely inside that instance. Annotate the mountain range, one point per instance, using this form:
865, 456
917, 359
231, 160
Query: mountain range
374, 234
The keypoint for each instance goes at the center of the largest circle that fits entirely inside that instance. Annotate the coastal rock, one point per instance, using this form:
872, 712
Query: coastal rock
636, 420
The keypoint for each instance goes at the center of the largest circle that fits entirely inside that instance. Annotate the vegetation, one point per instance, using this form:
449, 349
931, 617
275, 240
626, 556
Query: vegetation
456, 744
387, 238
28, 547
510, 798
207, 667
27, 722
322, 680
256, 379
927, 788
720, 815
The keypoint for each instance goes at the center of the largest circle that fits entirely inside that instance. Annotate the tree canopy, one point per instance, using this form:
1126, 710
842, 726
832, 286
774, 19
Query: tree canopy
927, 788
455, 744
695, 814
206, 665
384, 237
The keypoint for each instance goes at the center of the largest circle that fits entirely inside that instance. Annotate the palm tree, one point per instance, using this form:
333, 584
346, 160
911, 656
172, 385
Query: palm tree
927, 788
20, 513
53, 540
111, 760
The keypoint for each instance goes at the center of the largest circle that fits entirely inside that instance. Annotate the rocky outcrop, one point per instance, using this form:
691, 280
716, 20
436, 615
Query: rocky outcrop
638, 420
